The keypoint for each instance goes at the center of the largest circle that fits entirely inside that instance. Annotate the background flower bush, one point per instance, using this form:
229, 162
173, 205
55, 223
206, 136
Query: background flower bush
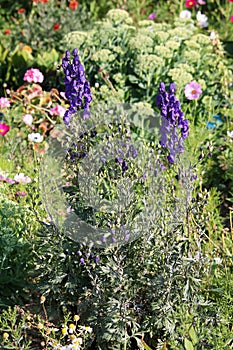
151, 53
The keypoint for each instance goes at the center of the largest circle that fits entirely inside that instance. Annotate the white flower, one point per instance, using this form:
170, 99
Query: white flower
218, 261
72, 328
35, 137
202, 20
86, 329
230, 134
27, 119
77, 341
185, 14
212, 35
21, 178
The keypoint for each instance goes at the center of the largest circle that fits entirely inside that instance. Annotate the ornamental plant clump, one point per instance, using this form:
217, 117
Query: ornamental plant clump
122, 282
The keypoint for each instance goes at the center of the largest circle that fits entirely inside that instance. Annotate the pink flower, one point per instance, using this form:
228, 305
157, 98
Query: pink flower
230, 0
4, 129
33, 75
201, 2
9, 180
27, 119
152, 16
4, 102
20, 194
231, 18
190, 3
57, 110
22, 179
192, 90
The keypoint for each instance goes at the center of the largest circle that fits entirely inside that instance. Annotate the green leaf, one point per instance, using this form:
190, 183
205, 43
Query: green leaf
193, 335
188, 345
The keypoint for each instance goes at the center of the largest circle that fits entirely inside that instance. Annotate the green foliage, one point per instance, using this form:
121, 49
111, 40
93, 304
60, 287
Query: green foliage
15, 252
171, 288
133, 60
13, 324
138, 288
208, 328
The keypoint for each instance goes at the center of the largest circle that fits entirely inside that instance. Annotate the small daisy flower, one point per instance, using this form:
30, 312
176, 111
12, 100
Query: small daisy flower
64, 331
72, 328
86, 329
35, 137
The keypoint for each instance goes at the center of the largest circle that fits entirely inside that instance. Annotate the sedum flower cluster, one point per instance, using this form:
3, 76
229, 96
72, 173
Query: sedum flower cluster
172, 119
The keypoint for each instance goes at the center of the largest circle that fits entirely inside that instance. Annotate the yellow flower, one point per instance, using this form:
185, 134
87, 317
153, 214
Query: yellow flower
78, 341
72, 328
48, 331
64, 331
5, 335
72, 337
87, 329
76, 318
40, 325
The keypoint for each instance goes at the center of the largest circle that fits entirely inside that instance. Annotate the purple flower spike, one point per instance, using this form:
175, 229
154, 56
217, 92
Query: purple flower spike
77, 88
172, 119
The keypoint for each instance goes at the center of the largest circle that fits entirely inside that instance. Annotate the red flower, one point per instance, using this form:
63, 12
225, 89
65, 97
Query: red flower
7, 31
36, 1
230, 0
190, 3
73, 5
21, 32
45, 1
21, 10
56, 26
4, 129
231, 18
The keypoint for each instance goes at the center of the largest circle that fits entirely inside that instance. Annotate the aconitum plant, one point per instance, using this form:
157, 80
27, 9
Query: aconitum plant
172, 120
76, 85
